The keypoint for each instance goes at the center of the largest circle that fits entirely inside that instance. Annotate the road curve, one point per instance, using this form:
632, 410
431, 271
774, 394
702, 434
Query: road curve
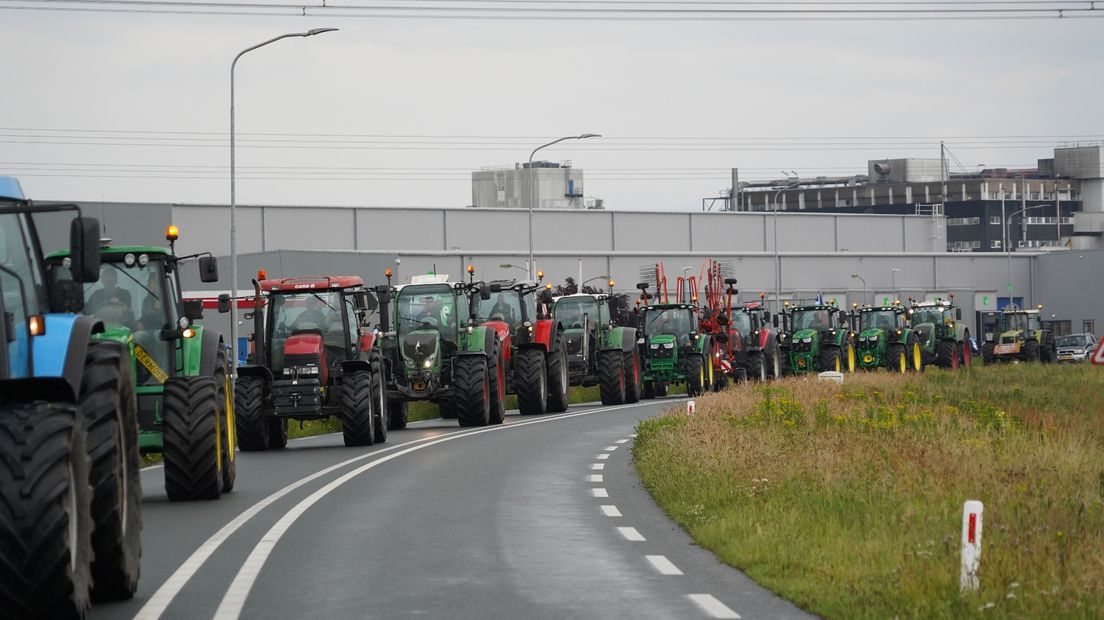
542, 517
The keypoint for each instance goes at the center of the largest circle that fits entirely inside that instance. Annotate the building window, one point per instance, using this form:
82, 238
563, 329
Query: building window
995, 220
995, 244
963, 221
1090, 326
965, 246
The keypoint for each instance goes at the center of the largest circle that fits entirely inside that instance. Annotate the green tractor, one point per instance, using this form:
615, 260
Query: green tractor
944, 336
885, 339
673, 348
180, 371
1023, 338
598, 351
437, 351
816, 338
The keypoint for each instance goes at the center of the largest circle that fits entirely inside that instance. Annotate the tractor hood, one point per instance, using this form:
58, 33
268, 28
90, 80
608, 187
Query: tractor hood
502, 328
421, 349
802, 334
1011, 336
115, 333
661, 339
874, 332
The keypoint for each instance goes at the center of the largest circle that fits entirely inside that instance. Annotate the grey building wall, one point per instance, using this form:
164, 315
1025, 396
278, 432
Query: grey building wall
1069, 287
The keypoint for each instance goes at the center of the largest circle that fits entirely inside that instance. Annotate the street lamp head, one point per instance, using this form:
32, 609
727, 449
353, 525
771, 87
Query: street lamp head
855, 275
589, 135
314, 31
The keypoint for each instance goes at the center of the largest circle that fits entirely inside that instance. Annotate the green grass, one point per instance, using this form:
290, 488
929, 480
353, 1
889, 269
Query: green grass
847, 499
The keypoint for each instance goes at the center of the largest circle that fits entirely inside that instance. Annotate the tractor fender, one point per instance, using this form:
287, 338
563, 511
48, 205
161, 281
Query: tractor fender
261, 372
961, 332
766, 337
618, 339
61, 351
201, 352
703, 344
480, 341
545, 333
348, 367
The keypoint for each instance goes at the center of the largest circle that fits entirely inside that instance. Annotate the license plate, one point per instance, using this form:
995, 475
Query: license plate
1005, 349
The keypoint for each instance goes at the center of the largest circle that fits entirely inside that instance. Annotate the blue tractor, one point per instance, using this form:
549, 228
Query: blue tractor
70, 503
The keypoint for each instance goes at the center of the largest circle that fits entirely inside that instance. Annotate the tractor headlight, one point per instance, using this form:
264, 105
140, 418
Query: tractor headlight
429, 361
287, 372
669, 345
654, 347
309, 370
807, 340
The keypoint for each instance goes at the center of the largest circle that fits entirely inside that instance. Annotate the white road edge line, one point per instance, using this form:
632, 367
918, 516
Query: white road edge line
663, 565
234, 600
630, 533
712, 607
599, 492
621, 441
610, 510
597, 466
595, 478
603, 456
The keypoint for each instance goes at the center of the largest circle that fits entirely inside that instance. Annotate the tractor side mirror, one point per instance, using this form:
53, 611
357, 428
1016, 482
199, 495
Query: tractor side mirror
224, 303
484, 293
193, 309
730, 281
383, 294
84, 249
767, 317
774, 321
208, 269
642, 286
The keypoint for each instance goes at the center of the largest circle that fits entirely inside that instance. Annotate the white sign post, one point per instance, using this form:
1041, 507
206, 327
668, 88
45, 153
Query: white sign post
971, 545
689, 407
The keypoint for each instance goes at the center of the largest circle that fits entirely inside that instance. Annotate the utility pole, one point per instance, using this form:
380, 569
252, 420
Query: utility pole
943, 170
734, 193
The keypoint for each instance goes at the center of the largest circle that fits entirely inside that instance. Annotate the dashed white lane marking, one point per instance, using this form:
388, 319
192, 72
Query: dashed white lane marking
621, 441
599, 492
711, 606
602, 457
234, 601
597, 466
630, 533
610, 510
596, 477
633, 435
663, 565
610, 448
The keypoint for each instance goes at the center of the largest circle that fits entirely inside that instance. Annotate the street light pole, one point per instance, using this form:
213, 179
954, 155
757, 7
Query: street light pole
533, 189
233, 193
893, 279
855, 275
1008, 232
777, 258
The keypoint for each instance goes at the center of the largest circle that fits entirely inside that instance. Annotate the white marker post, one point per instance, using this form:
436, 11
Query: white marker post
689, 407
971, 545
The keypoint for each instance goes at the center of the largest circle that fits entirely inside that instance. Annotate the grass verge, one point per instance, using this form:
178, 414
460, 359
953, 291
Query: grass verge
847, 499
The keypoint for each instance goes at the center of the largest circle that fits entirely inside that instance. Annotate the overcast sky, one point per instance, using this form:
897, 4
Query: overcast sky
463, 94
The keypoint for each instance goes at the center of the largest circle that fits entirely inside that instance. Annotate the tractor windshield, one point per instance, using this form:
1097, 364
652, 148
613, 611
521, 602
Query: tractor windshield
570, 310
818, 319
741, 322
319, 312
1021, 322
671, 321
927, 315
504, 306
427, 307
878, 319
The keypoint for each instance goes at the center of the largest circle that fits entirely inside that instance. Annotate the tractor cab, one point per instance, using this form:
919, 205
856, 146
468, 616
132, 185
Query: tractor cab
512, 306
581, 315
1019, 321
878, 320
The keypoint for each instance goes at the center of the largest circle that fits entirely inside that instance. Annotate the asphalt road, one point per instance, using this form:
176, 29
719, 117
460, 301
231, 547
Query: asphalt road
542, 517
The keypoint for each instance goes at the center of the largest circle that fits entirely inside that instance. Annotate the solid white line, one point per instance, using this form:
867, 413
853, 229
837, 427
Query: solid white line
610, 510
597, 466
610, 448
599, 492
621, 441
596, 478
710, 605
603, 456
663, 565
232, 603
630, 533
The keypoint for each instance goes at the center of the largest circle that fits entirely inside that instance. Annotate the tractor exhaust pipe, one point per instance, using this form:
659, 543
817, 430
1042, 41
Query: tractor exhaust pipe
259, 347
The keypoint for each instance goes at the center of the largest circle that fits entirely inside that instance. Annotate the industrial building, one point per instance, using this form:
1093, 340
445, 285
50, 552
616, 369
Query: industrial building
547, 185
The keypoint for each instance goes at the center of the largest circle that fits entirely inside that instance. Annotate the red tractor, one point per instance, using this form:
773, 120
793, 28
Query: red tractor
763, 359
535, 350
313, 357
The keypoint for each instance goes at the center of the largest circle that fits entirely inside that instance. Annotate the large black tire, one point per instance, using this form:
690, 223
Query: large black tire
611, 377
1048, 352
110, 414
356, 408
775, 366
946, 354
473, 393
987, 355
649, 390
382, 412
757, 366
632, 375
254, 431
496, 373
830, 359
896, 359
1031, 351
191, 446
660, 389
447, 411
531, 381
398, 413
227, 453
44, 487
694, 375
849, 357
559, 385
277, 432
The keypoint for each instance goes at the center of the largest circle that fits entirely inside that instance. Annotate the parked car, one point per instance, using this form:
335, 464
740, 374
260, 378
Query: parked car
1075, 347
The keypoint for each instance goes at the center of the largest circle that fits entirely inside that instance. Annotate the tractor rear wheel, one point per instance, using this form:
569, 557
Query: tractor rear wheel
967, 350
496, 372
381, 423
559, 385
356, 408
46, 524
661, 388
946, 354
896, 359
831, 359
1031, 351
757, 368
611, 377
398, 414
649, 390
632, 375
447, 411
226, 421
531, 381
473, 390
191, 439
849, 357
110, 415
916, 355
1048, 353
775, 358
254, 431
695, 375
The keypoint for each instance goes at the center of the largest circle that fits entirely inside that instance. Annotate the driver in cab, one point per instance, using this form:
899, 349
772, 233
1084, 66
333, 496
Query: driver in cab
316, 316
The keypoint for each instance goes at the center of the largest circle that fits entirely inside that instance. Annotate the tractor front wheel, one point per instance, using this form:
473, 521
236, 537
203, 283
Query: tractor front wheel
254, 432
380, 424
757, 367
660, 389
987, 355
356, 408
398, 413
695, 375
632, 375
1031, 351
649, 390
496, 372
47, 518
611, 377
946, 354
192, 450
225, 412
558, 383
531, 381
473, 393
831, 358
896, 359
